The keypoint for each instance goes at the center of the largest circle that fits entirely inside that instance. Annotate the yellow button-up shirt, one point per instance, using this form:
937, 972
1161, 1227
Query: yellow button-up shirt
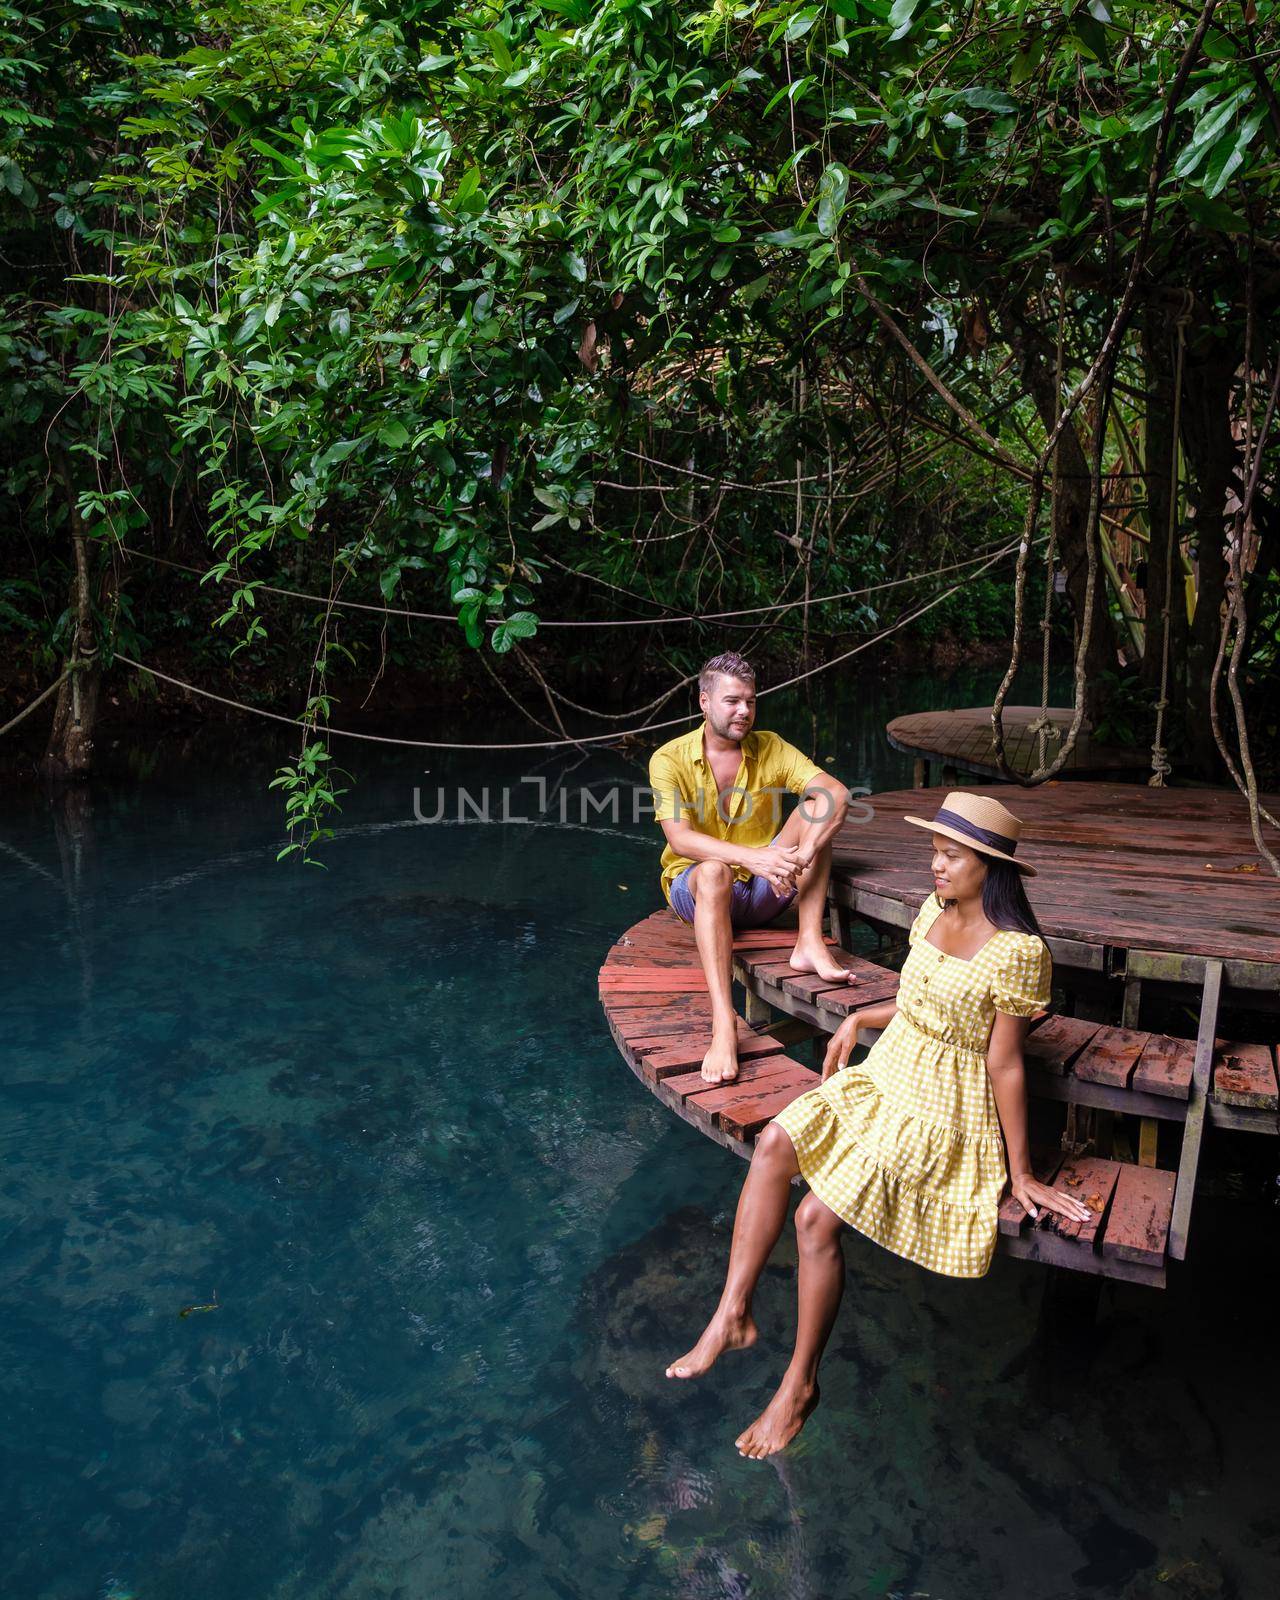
749, 813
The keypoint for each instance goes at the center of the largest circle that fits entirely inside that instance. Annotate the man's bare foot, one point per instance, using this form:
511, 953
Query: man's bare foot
817, 958
780, 1421
722, 1333
720, 1064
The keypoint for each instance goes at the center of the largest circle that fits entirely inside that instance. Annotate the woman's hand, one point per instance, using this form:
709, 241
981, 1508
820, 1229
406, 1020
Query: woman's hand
1035, 1197
840, 1046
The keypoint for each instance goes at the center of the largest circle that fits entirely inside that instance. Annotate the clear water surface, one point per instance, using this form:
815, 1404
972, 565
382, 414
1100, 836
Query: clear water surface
373, 1117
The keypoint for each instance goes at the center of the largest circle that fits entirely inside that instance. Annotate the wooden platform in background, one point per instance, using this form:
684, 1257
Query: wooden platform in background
1147, 882
964, 740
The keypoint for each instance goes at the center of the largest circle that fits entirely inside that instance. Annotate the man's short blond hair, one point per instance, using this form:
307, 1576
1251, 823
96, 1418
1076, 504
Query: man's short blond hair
728, 665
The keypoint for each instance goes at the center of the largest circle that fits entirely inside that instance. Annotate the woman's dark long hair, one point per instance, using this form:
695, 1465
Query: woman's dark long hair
1004, 900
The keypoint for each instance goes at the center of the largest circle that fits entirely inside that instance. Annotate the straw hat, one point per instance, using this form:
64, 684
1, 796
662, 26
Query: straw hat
980, 822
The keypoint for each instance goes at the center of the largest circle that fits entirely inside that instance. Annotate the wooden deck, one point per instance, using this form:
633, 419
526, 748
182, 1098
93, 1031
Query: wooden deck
962, 741
655, 1000
1137, 883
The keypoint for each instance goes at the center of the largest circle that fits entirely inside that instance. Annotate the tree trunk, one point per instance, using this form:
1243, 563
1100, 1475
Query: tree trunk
69, 752
1212, 461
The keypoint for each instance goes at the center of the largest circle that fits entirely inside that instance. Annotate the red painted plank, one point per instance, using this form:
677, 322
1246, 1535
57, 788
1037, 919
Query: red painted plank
1092, 1180
670, 1063
1110, 1057
1057, 1041
1138, 1223
1164, 1067
804, 985
855, 996
699, 1040
768, 1074
1012, 1219
1244, 1075
644, 980
745, 1121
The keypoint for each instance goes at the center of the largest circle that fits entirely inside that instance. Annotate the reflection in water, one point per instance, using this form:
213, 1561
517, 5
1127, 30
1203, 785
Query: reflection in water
373, 1116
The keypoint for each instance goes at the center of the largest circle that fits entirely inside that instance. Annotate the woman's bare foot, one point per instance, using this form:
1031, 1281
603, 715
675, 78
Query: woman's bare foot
720, 1064
780, 1421
817, 958
723, 1332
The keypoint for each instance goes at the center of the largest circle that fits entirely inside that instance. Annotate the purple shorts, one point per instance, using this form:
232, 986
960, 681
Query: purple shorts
754, 902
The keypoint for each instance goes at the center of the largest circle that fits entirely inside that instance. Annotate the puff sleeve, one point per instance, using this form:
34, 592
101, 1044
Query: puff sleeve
1023, 976
924, 919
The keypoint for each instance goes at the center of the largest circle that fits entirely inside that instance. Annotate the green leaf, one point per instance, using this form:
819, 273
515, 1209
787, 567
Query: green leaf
434, 63
575, 266
1215, 214
987, 100
13, 179
498, 45
1228, 154
900, 16
393, 434
64, 217
340, 323
832, 189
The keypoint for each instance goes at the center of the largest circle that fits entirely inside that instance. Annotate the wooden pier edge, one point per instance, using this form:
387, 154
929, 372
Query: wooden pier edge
654, 998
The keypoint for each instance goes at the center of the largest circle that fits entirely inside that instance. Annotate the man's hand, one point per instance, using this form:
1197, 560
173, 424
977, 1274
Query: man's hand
840, 1046
780, 864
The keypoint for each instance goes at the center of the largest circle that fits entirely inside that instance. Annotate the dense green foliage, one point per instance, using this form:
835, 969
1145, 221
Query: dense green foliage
440, 300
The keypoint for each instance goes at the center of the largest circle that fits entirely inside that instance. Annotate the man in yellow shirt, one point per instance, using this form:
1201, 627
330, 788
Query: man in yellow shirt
729, 861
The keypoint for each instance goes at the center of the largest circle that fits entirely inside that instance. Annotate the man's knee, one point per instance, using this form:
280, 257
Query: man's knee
712, 880
817, 1226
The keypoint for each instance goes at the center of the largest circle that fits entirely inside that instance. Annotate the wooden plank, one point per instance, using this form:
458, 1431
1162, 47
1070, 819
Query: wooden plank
1193, 1131
773, 1072
680, 980
1055, 1043
696, 1044
1091, 1180
1110, 1057
1011, 1218
1138, 1225
662, 1064
1244, 1075
807, 984
1165, 1066
744, 1121
853, 998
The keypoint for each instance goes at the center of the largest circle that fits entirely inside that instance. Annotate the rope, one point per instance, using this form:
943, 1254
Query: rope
556, 744
1160, 766
38, 701
1044, 727
621, 622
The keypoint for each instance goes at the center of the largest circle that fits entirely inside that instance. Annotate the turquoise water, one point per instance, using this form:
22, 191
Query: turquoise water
373, 1118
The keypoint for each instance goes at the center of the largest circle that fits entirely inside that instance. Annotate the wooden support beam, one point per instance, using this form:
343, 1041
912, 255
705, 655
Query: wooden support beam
1193, 1129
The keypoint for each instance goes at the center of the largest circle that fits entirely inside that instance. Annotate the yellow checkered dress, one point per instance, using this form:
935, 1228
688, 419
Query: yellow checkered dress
906, 1145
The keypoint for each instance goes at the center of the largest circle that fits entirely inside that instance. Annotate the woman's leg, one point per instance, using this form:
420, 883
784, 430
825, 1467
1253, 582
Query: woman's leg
762, 1210
821, 1283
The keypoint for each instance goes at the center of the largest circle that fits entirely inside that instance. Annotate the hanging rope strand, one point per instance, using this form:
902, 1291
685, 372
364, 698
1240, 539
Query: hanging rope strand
1160, 767
554, 744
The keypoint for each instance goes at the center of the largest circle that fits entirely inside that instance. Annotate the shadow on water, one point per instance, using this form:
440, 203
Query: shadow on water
371, 1122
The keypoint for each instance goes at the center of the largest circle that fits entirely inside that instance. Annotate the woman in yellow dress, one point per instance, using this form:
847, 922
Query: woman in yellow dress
909, 1146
